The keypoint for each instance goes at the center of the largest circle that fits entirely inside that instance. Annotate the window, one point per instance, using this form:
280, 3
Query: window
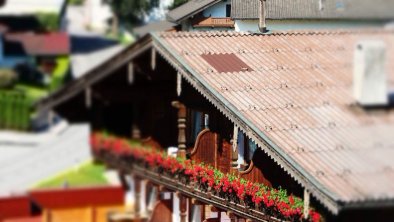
228, 10
251, 149
195, 125
246, 149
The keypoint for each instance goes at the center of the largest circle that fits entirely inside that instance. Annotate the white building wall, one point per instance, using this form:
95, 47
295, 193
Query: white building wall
218, 10
283, 25
96, 14
246, 25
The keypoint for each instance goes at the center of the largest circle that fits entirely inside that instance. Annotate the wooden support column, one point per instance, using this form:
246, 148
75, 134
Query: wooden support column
232, 216
143, 204
179, 84
182, 207
137, 187
153, 197
135, 130
306, 203
234, 160
234, 153
181, 128
50, 117
153, 58
88, 97
196, 210
130, 76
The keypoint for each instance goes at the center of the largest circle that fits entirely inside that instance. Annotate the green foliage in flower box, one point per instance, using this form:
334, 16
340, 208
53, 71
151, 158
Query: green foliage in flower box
270, 201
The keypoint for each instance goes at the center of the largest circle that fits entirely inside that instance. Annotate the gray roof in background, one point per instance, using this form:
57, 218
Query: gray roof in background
190, 8
309, 9
153, 27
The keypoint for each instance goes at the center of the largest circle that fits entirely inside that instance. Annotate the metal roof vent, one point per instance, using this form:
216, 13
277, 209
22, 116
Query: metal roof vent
369, 74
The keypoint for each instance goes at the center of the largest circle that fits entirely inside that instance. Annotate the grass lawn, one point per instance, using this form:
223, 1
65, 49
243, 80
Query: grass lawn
88, 174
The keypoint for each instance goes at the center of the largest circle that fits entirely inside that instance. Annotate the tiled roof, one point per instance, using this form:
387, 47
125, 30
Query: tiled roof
188, 9
55, 43
304, 9
296, 102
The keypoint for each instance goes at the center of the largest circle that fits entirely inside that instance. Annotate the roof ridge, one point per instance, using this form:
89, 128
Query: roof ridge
277, 33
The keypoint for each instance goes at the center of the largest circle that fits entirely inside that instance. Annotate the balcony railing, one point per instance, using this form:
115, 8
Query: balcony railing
200, 22
201, 182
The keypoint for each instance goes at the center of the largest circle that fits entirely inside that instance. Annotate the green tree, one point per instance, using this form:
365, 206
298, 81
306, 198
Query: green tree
8, 78
48, 21
129, 12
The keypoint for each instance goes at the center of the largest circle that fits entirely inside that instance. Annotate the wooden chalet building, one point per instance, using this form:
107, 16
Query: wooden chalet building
276, 109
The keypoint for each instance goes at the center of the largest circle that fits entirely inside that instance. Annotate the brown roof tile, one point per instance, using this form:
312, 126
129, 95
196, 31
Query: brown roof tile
298, 92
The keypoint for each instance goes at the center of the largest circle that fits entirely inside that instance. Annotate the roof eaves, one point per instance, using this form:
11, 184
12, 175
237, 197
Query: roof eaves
74, 87
329, 199
368, 204
179, 20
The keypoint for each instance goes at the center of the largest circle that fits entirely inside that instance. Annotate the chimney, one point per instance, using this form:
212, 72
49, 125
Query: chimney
369, 74
262, 16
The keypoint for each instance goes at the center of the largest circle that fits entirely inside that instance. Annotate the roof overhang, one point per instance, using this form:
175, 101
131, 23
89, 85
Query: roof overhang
320, 192
73, 88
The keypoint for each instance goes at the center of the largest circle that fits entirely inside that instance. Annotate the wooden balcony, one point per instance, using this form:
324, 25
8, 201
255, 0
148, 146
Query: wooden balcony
205, 22
191, 179
189, 191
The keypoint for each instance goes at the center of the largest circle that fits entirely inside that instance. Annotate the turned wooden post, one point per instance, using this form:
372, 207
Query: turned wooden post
181, 128
137, 187
232, 216
234, 153
234, 160
306, 203
135, 130
182, 207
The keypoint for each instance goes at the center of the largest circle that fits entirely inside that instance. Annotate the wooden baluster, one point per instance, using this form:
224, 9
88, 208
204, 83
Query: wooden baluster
137, 193
181, 128
182, 207
232, 216
135, 130
306, 203
234, 160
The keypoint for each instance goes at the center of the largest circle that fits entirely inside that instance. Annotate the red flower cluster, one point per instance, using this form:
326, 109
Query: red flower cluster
229, 186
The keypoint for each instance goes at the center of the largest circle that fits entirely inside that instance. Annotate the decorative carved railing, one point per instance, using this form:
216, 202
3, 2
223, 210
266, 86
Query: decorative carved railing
226, 192
224, 157
254, 174
213, 22
150, 142
207, 149
162, 212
